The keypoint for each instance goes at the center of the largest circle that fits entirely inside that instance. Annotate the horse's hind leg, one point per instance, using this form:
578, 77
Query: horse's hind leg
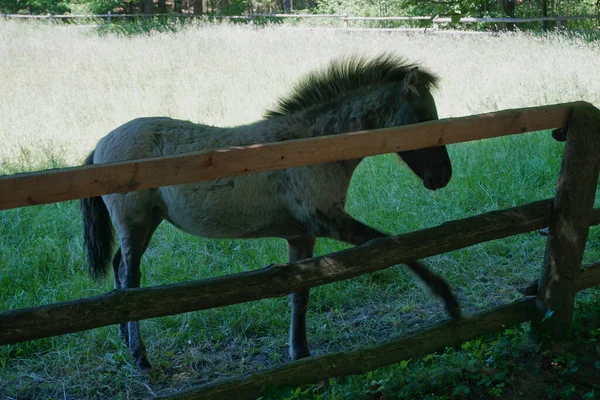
299, 249
123, 331
134, 241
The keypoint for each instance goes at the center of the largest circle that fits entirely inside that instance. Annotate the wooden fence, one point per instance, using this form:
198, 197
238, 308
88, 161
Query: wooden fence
568, 216
429, 22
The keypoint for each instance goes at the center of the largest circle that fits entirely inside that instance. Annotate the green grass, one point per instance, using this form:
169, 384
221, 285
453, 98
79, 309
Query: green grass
68, 89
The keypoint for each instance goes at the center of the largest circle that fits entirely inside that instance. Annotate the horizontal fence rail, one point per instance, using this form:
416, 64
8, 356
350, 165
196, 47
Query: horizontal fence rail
432, 23
343, 17
513, 20
424, 341
273, 281
81, 182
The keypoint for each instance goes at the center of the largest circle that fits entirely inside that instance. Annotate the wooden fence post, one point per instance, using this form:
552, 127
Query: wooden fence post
435, 22
569, 226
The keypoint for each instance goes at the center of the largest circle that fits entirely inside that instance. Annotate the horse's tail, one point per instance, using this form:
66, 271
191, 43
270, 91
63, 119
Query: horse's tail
98, 233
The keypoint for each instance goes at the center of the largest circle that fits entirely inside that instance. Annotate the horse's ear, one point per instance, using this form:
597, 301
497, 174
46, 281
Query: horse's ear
411, 81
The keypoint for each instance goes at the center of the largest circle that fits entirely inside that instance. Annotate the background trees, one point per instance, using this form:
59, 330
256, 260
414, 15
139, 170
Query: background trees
471, 8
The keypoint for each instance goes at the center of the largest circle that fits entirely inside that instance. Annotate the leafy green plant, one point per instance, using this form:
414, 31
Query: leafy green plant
34, 7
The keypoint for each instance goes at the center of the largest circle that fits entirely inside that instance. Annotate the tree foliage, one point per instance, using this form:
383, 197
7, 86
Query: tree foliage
33, 6
456, 8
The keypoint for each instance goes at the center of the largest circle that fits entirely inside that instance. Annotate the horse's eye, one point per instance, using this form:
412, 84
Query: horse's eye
412, 95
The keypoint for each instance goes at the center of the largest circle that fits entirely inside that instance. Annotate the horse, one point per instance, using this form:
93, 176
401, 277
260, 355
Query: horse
298, 204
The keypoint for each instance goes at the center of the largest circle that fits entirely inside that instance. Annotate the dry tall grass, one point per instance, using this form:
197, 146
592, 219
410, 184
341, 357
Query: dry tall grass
64, 88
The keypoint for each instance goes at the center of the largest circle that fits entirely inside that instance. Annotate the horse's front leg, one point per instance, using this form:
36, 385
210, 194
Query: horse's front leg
341, 226
299, 249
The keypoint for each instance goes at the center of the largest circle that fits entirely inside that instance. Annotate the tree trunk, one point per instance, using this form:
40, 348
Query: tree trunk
198, 7
544, 6
148, 7
161, 7
508, 7
287, 6
225, 7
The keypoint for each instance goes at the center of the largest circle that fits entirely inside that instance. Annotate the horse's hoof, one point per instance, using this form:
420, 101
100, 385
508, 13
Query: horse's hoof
124, 334
452, 306
299, 354
530, 289
144, 367
454, 311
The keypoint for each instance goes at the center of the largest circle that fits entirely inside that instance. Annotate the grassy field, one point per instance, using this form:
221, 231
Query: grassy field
65, 88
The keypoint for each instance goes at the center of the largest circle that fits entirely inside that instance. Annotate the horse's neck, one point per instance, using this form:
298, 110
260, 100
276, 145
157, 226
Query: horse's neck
369, 111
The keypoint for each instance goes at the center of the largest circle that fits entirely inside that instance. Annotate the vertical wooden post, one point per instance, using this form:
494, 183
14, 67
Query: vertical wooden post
108, 20
345, 19
569, 225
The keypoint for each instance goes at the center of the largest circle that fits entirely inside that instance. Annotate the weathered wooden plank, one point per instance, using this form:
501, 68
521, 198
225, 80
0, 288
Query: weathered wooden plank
569, 225
273, 281
80, 182
588, 277
427, 340
314, 369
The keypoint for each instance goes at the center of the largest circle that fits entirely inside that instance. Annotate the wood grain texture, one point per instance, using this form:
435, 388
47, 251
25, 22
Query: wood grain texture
588, 277
569, 225
314, 369
272, 281
81, 182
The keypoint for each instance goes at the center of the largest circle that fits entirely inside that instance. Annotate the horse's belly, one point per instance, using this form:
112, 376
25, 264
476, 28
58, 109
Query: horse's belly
224, 208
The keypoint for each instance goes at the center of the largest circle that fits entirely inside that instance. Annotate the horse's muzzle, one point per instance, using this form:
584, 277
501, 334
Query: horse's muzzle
438, 179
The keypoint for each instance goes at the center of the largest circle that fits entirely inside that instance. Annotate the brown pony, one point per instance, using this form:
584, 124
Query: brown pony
297, 204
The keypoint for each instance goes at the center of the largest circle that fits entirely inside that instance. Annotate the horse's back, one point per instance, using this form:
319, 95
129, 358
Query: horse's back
273, 203
162, 136
243, 206
151, 137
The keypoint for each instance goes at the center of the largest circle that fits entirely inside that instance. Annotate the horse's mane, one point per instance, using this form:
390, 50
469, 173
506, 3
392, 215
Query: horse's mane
345, 75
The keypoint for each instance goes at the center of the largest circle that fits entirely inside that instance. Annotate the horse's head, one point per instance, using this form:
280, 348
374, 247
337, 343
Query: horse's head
431, 164
382, 92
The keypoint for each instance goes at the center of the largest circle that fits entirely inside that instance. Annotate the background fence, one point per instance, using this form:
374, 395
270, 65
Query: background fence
568, 216
425, 22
